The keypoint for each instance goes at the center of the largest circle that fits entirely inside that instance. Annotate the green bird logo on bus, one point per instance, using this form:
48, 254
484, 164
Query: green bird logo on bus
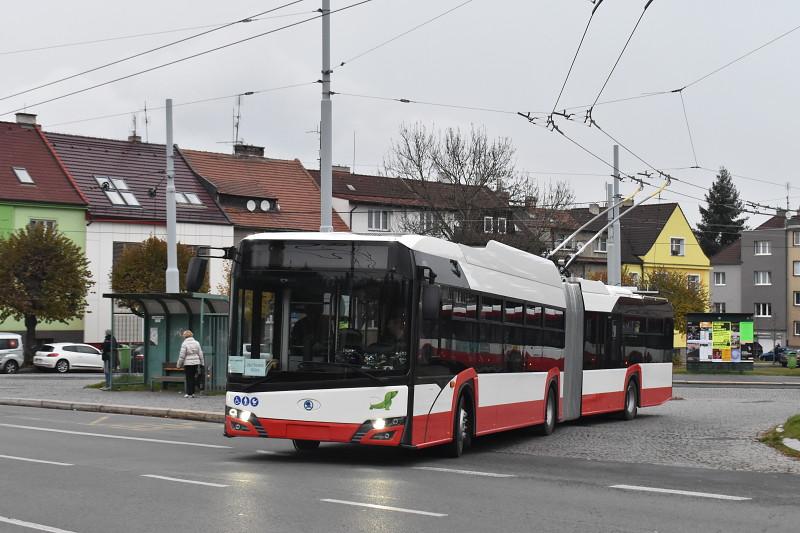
386, 403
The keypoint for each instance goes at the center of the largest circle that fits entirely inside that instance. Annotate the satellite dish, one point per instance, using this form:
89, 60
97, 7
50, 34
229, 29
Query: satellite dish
251, 205
265, 205
594, 209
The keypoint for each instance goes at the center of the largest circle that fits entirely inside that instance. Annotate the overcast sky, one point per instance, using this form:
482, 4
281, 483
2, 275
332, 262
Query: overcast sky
498, 54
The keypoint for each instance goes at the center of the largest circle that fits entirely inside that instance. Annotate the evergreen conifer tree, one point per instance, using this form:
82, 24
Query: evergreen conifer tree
721, 221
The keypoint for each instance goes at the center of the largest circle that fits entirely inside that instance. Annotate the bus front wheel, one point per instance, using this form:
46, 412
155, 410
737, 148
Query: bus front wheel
462, 429
305, 445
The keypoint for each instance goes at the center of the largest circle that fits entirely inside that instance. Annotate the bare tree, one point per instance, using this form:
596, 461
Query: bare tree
461, 177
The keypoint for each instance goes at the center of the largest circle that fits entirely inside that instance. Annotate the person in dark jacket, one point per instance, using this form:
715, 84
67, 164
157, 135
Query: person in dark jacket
110, 357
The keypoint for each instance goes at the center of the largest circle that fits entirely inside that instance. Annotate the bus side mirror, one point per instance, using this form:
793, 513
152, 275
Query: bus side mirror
196, 273
431, 301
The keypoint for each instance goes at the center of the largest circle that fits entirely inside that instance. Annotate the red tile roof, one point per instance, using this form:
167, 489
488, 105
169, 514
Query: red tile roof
142, 166
774, 222
262, 178
25, 146
385, 190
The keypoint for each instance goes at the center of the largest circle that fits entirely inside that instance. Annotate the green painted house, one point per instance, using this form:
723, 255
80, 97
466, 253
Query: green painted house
36, 188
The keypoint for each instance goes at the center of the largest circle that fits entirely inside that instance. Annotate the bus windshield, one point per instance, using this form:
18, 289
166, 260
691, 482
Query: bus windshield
295, 326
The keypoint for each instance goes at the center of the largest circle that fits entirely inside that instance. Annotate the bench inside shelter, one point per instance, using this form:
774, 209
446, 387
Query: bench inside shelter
170, 374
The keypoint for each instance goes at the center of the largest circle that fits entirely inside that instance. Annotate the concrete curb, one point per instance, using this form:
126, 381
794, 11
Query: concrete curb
752, 384
182, 414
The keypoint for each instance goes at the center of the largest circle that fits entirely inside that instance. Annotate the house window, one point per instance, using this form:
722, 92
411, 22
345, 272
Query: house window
22, 175
719, 279
763, 310
427, 221
378, 220
693, 280
719, 307
796, 295
48, 224
117, 191
797, 328
488, 225
601, 244
763, 248
195, 200
796, 268
762, 277
501, 225
677, 246
796, 238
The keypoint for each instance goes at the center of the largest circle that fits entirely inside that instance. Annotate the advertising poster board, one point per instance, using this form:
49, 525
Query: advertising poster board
719, 337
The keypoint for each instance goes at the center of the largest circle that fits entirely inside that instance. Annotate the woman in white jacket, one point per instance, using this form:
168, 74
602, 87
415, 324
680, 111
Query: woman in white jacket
190, 358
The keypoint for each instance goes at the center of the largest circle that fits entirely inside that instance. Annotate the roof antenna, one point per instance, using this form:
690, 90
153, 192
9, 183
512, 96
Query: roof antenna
237, 118
146, 124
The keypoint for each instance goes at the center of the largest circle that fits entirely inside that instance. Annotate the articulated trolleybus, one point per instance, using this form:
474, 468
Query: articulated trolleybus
415, 341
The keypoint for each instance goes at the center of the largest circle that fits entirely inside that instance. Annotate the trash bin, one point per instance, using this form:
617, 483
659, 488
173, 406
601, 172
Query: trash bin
124, 357
791, 360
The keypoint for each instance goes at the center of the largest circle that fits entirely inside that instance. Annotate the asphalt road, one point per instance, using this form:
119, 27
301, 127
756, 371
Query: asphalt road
135, 474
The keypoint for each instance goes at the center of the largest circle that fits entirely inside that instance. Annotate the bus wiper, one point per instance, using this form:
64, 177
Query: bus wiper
252, 385
348, 367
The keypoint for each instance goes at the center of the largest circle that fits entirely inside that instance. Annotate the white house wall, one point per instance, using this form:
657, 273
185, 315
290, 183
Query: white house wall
100, 239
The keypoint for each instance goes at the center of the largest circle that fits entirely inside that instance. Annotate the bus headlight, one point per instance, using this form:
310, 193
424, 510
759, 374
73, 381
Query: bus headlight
244, 415
380, 423
241, 415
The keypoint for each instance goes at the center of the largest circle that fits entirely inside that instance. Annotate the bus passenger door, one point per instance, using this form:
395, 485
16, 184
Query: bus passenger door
573, 364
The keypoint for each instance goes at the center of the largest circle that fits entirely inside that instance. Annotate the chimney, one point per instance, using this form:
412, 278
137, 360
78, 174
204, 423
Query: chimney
248, 150
26, 118
134, 138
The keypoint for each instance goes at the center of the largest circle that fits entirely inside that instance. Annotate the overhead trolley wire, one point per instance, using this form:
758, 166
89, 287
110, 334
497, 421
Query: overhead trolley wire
180, 104
619, 57
137, 35
186, 58
149, 51
575, 57
398, 36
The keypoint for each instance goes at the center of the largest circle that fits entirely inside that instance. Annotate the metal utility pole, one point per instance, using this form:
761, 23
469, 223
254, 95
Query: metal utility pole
326, 115
611, 276
173, 284
615, 235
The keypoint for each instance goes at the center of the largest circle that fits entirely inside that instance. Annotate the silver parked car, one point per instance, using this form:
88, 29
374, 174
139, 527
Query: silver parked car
11, 354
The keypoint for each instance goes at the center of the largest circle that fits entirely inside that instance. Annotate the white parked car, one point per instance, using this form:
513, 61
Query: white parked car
11, 355
66, 356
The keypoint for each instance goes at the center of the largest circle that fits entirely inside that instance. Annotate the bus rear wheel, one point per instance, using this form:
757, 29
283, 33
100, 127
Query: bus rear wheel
631, 401
462, 429
305, 445
549, 424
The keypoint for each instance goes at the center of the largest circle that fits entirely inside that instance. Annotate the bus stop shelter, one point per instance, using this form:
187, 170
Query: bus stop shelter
165, 317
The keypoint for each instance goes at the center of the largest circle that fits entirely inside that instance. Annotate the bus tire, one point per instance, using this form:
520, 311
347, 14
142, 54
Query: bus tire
305, 445
462, 428
631, 406
550, 413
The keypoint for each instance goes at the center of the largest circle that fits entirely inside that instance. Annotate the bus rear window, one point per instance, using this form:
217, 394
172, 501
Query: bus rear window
314, 255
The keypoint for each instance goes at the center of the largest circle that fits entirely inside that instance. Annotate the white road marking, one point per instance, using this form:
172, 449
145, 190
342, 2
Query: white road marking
34, 460
120, 437
465, 472
102, 418
31, 525
681, 492
192, 482
384, 507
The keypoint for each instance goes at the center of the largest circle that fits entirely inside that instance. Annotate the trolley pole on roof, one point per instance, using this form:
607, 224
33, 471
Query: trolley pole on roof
173, 285
326, 115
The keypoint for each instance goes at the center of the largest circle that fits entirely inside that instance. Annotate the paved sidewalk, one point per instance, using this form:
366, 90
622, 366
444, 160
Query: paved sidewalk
70, 393
728, 380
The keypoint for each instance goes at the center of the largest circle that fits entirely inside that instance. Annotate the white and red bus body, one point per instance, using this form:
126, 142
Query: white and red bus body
509, 329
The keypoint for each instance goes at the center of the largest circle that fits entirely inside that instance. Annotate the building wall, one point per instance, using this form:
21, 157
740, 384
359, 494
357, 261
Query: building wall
793, 282
772, 329
731, 292
69, 220
100, 239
